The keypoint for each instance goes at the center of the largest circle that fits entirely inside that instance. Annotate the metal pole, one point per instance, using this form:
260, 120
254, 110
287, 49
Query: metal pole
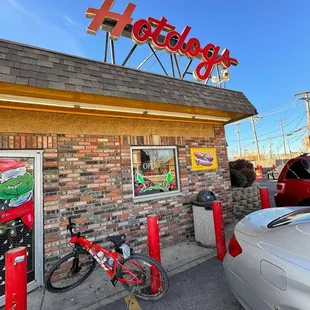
154, 249
145, 60
172, 65
264, 197
129, 55
306, 98
112, 51
153, 51
16, 279
177, 65
106, 46
239, 142
255, 137
270, 148
283, 136
219, 229
187, 67
219, 76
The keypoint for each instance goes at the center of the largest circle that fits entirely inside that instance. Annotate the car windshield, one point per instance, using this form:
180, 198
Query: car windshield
296, 217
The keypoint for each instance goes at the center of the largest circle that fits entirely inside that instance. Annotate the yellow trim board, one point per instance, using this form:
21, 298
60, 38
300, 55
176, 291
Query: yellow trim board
95, 99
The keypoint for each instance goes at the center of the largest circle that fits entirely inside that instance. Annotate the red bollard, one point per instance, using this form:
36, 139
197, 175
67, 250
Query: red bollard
264, 197
16, 279
219, 229
154, 250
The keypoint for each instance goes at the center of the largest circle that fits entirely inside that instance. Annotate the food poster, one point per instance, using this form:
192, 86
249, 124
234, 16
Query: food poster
203, 159
16, 211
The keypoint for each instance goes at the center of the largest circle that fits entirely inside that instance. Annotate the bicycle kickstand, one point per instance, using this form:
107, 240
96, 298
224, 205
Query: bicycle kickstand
129, 301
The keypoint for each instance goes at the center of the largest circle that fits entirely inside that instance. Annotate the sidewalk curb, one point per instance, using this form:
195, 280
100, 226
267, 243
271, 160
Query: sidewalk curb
113, 297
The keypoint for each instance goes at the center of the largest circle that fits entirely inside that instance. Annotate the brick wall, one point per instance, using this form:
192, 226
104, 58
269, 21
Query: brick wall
89, 177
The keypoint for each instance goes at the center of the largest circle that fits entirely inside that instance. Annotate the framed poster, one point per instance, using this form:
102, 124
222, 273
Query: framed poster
204, 159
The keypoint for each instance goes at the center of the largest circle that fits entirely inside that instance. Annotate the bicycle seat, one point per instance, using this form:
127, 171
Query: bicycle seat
118, 240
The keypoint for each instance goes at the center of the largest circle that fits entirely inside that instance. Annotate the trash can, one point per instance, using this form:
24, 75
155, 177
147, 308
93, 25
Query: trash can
203, 218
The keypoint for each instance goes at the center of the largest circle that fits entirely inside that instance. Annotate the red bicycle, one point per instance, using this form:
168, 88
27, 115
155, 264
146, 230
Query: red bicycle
141, 275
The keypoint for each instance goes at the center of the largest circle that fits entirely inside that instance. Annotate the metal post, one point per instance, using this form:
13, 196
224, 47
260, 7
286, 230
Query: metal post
172, 65
283, 136
270, 148
255, 137
154, 249
306, 98
106, 46
16, 279
186, 69
145, 60
112, 52
219, 229
177, 65
219, 76
129, 55
239, 142
153, 51
264, 197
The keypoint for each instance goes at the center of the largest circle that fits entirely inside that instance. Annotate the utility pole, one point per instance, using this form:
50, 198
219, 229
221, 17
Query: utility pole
255, 137
305, 96
289, 147
264, 151
239, 143
281, 122
270, 148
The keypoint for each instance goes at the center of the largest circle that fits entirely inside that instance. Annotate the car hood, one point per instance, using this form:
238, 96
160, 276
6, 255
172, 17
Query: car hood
256, 223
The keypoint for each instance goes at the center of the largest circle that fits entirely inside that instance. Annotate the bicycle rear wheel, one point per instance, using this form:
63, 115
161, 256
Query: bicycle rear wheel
69, 272
154, 278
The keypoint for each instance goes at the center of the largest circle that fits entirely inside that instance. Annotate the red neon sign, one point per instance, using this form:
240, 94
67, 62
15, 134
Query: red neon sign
149, 31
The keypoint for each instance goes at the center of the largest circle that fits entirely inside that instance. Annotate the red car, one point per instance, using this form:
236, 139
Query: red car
293, 188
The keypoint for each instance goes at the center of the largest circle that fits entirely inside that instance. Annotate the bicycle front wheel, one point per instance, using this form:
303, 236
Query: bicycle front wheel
69, 272
154, 278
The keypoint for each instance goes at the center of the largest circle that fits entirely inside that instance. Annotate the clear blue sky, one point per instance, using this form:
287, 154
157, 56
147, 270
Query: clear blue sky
269, 38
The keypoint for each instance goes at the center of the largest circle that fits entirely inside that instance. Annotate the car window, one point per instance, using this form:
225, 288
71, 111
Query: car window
296, 217
279, 168
299, 170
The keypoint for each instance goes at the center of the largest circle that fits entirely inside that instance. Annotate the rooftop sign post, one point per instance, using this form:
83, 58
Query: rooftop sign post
150, 31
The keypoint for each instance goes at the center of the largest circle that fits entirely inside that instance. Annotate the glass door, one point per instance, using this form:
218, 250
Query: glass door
21, 211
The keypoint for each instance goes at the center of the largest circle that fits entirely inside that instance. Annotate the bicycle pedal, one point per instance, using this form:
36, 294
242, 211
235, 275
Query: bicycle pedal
114, 280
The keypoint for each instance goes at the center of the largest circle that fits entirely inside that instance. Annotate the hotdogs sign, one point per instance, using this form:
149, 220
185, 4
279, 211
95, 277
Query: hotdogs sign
149, 31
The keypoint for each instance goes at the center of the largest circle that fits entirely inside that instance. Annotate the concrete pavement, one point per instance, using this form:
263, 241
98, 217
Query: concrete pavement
202, 287
97, 290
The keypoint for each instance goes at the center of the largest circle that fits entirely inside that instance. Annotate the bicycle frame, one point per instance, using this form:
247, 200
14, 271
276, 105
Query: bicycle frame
89, 246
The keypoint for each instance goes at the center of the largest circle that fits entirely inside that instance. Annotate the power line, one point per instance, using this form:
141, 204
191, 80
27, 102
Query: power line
265, 134
272, 112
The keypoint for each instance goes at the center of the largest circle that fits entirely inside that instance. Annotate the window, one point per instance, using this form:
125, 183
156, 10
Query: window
296, 217
299, 170
155, 171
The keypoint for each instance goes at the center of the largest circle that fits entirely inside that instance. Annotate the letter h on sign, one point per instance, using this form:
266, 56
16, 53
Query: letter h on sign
99, 15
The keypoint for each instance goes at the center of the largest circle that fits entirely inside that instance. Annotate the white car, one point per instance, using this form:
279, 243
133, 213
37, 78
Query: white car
275, 173
268, 262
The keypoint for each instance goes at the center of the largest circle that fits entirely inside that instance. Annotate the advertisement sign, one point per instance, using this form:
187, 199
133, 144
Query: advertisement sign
203, 159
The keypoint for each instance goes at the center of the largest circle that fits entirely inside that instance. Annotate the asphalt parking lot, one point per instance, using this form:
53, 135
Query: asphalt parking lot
202, 287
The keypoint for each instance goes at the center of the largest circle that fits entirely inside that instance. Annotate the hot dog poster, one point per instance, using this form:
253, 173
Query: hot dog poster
203, 159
